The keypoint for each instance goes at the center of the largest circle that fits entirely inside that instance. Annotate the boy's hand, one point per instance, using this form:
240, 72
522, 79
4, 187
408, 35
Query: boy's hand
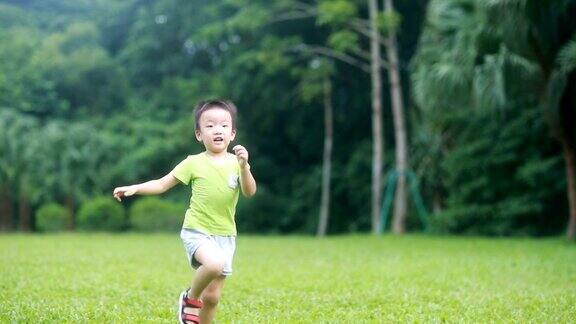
241, 155
124, 192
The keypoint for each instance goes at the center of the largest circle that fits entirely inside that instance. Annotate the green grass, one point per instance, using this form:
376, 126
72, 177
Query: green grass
134, 278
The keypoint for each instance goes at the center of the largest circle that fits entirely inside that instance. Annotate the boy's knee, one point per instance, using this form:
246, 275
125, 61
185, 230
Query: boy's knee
211, 298
215, 268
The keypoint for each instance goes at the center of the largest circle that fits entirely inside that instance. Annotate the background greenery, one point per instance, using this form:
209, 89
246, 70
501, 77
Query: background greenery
96, 94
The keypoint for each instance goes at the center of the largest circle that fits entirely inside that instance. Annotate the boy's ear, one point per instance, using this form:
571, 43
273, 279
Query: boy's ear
198, 137
233, 135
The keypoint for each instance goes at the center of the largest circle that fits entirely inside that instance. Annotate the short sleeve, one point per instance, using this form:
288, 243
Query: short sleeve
183, 171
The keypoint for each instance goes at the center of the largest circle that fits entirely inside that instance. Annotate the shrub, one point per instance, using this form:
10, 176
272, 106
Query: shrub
101, 214
154, 214
52, 218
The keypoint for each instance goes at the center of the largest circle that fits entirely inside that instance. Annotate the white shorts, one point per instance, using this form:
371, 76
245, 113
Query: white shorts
193, 239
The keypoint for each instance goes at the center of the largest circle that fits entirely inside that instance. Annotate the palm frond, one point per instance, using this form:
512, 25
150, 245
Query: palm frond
489, 83
567, 57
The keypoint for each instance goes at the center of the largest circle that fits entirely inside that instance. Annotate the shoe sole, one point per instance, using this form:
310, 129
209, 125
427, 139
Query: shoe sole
180, 308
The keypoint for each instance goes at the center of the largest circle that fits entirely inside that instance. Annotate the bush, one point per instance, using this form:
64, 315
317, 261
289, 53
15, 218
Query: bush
253, 215
154, 214
52, 218
103, 213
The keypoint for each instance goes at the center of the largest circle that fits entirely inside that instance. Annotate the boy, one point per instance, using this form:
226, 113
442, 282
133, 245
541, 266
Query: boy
209, 229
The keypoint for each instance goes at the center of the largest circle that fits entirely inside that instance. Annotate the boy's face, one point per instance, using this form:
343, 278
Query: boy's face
215, 131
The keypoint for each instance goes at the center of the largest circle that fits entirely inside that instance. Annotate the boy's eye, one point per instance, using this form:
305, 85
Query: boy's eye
209, 126
224, 125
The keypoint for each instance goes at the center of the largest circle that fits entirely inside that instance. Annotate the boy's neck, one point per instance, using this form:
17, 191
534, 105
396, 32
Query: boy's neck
215, 155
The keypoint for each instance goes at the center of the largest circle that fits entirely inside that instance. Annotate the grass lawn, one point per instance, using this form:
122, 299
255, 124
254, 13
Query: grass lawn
134, 278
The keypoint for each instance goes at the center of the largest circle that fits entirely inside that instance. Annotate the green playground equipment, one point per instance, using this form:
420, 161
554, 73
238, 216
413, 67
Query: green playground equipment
391, 182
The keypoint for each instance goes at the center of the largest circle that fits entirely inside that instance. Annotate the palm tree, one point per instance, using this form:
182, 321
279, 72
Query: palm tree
544, 32
535, 38
7, 168
15, 162
447, 77
64, 156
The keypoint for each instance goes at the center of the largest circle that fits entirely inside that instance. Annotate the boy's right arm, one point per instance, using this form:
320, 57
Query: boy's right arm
152, 187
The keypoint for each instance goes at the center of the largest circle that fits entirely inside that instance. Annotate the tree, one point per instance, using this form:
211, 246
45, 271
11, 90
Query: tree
63, 62
316, 83
400, 205
377, 132
472, 81
17, 167
28, 188
72, 162
81, 70
344, 45
275, 58
544, 32
23, 86
8, 167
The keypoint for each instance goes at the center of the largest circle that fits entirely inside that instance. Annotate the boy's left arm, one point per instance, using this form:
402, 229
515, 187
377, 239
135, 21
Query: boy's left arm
247, 182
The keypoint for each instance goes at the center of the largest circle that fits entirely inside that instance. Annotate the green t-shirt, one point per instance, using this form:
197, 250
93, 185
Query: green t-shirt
215, 191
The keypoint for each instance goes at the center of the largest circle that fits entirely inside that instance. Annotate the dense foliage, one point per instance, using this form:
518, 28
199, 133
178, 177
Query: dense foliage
489, 157
96, 94
152, 214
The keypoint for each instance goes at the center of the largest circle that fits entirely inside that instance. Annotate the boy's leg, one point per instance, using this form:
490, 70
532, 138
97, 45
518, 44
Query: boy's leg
211, 298
212, 265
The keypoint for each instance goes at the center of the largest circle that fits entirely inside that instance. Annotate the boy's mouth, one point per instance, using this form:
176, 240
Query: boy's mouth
218, 139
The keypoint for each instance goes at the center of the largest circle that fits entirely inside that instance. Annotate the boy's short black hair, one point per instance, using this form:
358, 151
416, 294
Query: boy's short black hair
227, 105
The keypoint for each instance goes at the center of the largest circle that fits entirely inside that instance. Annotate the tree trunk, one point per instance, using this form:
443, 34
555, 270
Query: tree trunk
400, 202
437, 205
327, 160
570, 158
24, 212
377, 133
6, 210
